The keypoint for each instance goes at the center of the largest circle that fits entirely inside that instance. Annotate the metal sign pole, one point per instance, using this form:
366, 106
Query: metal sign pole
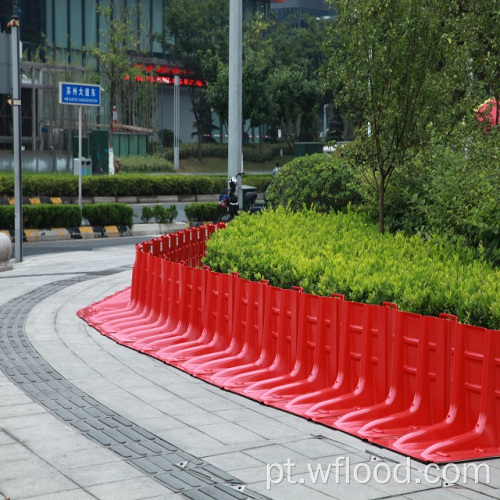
176, 121
80, 156
16, 146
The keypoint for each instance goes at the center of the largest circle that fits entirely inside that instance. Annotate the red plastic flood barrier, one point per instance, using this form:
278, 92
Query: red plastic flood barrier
217, 321
317, 351
423, 386
471, 428
185, 318
418, 395
362, 379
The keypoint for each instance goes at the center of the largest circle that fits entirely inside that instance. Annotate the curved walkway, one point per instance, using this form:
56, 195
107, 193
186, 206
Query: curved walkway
82, 417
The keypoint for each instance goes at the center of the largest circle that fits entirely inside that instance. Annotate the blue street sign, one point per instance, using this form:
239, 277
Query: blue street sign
79, 94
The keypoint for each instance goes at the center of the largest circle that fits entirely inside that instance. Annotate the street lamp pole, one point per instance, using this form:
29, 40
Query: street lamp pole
16, 145
235, 134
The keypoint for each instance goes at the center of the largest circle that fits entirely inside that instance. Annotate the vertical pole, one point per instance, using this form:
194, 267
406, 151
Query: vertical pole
176, 121
235, 120
16, 123
80, 156
325, 123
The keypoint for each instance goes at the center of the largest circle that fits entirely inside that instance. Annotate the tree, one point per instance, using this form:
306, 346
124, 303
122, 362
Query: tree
276, 90
385, 62
118, 50
294, 100
192, 31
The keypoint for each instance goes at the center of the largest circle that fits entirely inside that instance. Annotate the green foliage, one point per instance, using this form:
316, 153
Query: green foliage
161, 214
294, 100
146, 214
252, 152
392, 75
167, 138
151, 163
164, 215
452, 188
320, 180
343, 253
7, 216
202, 212
42, 216
120, 46
108, 214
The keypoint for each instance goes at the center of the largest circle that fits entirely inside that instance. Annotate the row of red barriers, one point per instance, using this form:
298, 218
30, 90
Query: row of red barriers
426, 387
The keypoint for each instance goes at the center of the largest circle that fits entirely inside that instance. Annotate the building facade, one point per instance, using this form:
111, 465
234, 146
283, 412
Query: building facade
298, 8
54, 34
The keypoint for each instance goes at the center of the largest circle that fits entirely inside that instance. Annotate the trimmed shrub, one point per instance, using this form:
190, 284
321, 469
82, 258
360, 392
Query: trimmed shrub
7, 216
161, 214
202, 212
108, 214
320, 180
164, 215
42, 216
343, 253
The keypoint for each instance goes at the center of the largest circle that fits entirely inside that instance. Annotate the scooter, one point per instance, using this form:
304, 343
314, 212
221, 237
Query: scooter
231, 201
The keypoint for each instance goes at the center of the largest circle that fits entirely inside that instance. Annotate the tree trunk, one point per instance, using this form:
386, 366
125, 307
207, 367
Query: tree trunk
199, 144
381, 195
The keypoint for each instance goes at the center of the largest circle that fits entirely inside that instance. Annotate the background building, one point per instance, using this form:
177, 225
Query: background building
54, 34
297, 8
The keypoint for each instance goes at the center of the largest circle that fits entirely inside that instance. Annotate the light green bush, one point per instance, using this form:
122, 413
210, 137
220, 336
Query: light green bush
343, 253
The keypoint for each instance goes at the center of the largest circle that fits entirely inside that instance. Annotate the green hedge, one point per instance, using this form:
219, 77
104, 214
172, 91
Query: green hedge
124, 185
202, 212
42, 216
150, 163
108, 214
343, 253
251, 152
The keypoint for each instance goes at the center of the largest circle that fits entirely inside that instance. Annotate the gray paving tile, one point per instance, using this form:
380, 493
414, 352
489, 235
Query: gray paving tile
132, 489
233, 461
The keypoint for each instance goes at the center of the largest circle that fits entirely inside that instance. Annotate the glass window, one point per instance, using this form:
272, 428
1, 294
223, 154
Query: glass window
76, 25
61, 23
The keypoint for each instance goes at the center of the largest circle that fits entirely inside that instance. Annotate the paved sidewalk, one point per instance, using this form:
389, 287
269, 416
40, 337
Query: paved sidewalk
78, 410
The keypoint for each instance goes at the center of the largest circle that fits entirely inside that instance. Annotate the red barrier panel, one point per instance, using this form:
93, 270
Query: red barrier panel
218, 312
279, 345
245, 294
326, 363
248, 322
419, 391
163, 315
363, 374
470, 430
317, 351
139, 290
144, 309
121, 328
185, 321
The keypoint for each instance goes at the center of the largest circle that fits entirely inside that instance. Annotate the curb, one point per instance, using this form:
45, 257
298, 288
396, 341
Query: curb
91, 232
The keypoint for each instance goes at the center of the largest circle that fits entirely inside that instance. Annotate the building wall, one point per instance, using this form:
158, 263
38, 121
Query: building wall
312, 7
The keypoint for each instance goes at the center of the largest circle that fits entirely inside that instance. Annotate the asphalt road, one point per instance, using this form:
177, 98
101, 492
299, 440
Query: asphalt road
46, 247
